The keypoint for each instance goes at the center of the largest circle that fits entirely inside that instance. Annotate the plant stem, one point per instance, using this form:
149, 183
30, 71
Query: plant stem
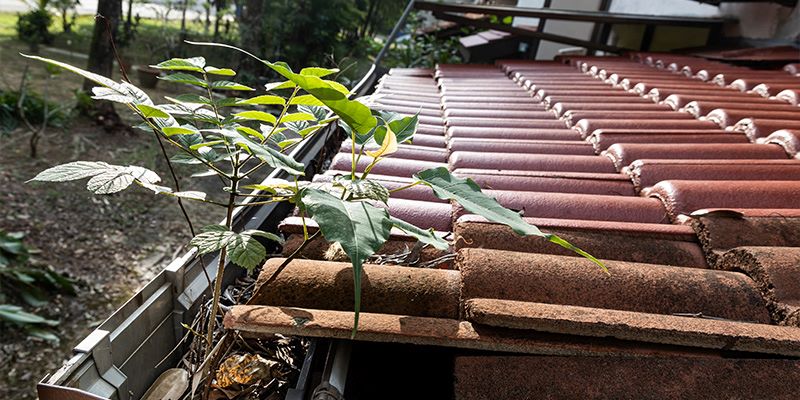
410, 185
218, 280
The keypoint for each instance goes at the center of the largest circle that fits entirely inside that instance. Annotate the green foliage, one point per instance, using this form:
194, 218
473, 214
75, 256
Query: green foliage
34, 106
24, 282
421, 49
32, 27
234, 137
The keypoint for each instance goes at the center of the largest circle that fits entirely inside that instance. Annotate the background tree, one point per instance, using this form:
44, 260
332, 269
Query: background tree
64, 7
101, 58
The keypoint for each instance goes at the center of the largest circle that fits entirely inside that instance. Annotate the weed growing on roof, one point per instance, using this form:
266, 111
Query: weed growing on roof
234, 137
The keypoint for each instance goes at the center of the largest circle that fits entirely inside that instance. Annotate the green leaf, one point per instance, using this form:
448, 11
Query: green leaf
425, 236
360, 228
266, 235
119, 179
44, 334
263, 100
124, 88
151, 111
363, 188
182, 64
311, 129
271, 157
332, 94
404, 128
220, 71
17, 315
228, 85
241, 248
179, 130
104, 93
317, 71
467, 193
283, 144
279, 85
250, 131
72, 171
184, 78
257, 116
294, 117
306, 100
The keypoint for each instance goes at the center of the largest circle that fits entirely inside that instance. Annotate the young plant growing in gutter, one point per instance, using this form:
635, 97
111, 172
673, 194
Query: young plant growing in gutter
233, 138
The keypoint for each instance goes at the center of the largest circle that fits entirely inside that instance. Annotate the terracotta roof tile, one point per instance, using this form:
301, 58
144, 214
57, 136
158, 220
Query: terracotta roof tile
708, 196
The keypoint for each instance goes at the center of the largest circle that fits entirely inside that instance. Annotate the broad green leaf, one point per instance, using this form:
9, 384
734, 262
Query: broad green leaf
17, 315
317, 71
403, 128
257, 116
226, 102
263, 100
179, 130
182, 64
354, 113
311, 129
72, 171
245, 251
151, 111
360, 228
189, 98
241, 248
184, 78
266, 235
283, 144
294, 117
250, 131
424, 236
271, 157
388, 145
306, 100
363, 188
220, 71
104, 93
124, 88
332, 94
467, 193
110, 182
279, 85
210, 143
228, 85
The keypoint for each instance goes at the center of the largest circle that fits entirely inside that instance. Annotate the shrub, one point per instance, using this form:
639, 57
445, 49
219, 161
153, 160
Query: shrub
32, 28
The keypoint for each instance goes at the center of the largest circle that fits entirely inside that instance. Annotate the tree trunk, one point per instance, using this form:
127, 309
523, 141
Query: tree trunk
368, 18
101, 57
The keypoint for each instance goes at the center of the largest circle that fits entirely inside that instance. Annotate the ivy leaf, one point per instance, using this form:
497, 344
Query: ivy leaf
228, 85
263, 100
363, 188
425, 236
467, 193
360, 228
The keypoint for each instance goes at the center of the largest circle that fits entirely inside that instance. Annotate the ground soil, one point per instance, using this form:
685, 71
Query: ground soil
112, 245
